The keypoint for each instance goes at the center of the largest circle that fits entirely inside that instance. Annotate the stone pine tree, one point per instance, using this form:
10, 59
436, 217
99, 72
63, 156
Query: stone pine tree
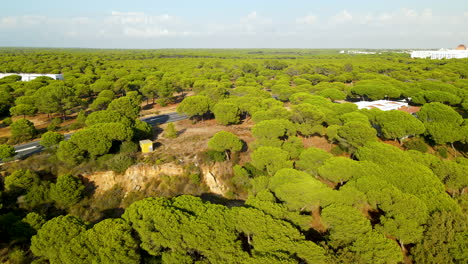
50, 139
67, 191
270, 159
22, 130
21, 180
311, 159
109, 241
226, 113
54, 235
227, 142
195, 106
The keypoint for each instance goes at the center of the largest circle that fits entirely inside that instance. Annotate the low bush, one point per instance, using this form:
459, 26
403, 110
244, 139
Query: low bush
7, 121
214, 156
128, 147
416, 144
54, 124
443, 152
120, 163
337, 150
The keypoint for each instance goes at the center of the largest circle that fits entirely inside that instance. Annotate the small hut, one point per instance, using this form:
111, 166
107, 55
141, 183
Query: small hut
146, 146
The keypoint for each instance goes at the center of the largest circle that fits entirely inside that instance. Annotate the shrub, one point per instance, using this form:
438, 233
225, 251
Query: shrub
128, 147
17, 256
443, 152
120, 163
214, 156
21, 180
170, 131
37, 196
3, 140
416, 144
7, 121
337, 150
6, 151
163, 101
195, 178
102, 161
241, 177
75, 126
54, 124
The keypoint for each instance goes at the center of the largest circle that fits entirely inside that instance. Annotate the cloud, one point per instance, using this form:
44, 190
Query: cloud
342, 17
23, 21
255, 19
8, 21
139, 18
308, 20
146, 32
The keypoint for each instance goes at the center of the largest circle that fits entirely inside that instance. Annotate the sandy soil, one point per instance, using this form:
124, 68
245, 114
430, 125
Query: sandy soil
193, 138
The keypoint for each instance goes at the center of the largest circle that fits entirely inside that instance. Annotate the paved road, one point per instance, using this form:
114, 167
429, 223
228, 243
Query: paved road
28, 149
161, 119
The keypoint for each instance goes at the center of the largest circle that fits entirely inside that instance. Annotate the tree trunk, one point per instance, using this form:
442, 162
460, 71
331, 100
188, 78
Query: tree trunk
454, 150
402, 246
227, 155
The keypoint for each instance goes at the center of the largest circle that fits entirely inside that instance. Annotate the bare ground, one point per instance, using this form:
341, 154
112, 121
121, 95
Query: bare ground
193, 138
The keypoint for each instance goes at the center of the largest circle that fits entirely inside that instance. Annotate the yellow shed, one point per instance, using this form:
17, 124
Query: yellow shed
146, 146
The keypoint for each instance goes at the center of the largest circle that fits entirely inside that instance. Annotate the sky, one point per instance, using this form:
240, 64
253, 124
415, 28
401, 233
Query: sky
155, 24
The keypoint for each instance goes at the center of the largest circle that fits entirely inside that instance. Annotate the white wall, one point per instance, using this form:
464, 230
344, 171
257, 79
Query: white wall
31, 76
440, 54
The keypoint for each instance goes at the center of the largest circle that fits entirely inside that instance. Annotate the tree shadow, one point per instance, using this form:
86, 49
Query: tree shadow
90, 186
156, 132
218, 199
182, 131
314, 236
112, 213
147, 106
178, 98
156, 145
245, 146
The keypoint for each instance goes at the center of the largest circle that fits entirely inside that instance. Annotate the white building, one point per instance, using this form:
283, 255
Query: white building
383, 105
31, 76
440, 54
361, 52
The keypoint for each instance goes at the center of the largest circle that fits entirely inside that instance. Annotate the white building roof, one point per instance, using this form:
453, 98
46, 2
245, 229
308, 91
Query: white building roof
383, 105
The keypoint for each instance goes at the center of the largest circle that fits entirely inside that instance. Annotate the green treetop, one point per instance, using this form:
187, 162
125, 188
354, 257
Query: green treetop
224, 141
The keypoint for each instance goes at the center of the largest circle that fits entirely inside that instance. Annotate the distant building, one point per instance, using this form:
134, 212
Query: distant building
458, 53
383, 105
25, 77
361, 52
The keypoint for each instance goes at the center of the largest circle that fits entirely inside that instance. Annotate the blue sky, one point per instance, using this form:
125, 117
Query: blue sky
234, 24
